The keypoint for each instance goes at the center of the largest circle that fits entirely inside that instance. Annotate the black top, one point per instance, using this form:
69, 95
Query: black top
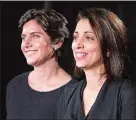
115, 100
23, 102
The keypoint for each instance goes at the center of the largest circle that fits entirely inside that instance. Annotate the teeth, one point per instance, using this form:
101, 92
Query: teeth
31, 52
79, 55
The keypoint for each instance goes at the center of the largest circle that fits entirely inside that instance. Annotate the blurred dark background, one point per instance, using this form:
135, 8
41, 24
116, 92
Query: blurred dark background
12, 59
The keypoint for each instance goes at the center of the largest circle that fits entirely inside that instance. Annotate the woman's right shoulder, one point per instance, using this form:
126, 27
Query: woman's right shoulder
69, 89
69, 93
18, 79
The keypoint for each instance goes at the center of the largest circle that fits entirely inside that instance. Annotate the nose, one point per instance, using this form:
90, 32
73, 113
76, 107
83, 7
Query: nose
79, 44
27, 42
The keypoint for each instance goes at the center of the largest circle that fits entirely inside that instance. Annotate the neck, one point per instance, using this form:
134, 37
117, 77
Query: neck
95, 76
47, 70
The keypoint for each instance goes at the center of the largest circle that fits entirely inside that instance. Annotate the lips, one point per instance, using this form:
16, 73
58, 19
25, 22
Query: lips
30, 52
80, 55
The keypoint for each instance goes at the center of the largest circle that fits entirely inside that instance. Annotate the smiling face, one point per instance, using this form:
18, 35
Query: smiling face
36, 44
86, 46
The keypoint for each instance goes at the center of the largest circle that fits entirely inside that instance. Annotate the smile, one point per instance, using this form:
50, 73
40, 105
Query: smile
31, 52
80, 55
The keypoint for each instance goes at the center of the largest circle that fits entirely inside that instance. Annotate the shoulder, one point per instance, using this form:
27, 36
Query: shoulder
73, 87
125, 87
128, 88
127, 99
73, 81
121, 83
70, 92
17, 80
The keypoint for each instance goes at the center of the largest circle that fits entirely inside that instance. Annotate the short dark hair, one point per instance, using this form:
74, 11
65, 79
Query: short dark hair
111, 33
52, 22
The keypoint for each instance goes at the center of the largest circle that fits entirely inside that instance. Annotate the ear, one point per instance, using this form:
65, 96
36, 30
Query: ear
58, 45
108, 53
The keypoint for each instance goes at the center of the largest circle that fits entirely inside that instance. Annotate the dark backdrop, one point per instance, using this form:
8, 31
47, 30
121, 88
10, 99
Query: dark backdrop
13, 61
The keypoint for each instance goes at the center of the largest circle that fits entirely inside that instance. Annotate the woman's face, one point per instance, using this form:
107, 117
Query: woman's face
86, 46
36, 44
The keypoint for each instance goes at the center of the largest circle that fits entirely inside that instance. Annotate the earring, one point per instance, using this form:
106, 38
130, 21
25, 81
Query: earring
56, 47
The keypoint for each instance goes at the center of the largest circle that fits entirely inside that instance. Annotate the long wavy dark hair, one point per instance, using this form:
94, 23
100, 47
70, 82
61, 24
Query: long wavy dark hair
112, 34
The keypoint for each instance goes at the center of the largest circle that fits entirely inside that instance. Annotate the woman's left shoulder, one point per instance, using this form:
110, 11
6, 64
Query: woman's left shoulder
127, 83
128, 100
125, 86
128, 87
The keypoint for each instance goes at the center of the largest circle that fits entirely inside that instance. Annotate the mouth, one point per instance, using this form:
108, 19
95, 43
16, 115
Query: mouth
30, 52
80, 55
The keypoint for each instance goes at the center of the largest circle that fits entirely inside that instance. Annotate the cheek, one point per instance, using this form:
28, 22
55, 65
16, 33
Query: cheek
37, 45
95, 51
73, 46
46, 47
41, 46
22, 47
91, 49
94, 48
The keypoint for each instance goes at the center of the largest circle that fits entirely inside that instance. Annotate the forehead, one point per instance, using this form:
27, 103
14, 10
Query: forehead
84, 25
32, 26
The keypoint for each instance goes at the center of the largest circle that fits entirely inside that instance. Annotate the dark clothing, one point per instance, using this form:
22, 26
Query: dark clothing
25, 103
116, 100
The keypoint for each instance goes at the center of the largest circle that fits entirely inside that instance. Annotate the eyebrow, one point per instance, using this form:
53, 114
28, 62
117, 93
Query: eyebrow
33, 33
89, 32
85, 32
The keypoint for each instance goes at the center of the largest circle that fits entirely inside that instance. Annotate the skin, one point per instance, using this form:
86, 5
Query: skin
36, 44
88, 57
86, 47
39, 52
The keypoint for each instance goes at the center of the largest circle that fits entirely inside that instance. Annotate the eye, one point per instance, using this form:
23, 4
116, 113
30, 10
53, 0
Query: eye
36, 36
89, 38
75, 37
22, 38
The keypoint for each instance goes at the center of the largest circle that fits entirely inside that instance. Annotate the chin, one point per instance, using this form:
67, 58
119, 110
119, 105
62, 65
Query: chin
30, 62
80, 65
